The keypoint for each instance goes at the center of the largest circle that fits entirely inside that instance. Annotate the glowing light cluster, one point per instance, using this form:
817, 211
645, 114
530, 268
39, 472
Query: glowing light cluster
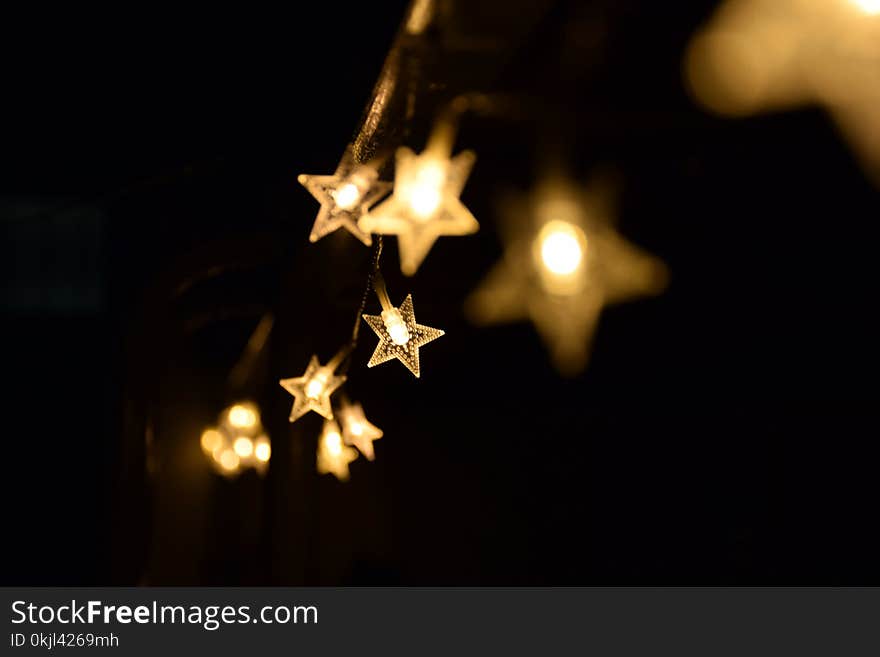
357, 430
238, 441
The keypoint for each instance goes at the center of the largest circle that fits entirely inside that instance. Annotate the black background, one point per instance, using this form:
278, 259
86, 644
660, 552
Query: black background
725, 432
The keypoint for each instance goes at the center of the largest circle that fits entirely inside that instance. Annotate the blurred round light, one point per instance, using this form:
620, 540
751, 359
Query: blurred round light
211, 440
263, 451
228, 460
243, 446
242, 416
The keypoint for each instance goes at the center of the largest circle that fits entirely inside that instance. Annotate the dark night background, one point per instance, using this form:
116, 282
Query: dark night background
725, 432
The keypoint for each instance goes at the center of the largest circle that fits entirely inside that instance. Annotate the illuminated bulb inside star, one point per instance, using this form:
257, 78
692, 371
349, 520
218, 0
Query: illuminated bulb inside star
243, 446
263, 450
868, 6
562, 247
395, 326
347, 196
333, 443
317, 383
424, 192
356, 428
242, 417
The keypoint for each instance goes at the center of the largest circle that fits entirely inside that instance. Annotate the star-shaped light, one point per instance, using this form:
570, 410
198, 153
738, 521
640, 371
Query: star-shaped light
345, 197
424, 204
764, 55
561, 266
312, 390
333, 455
400, 336
357, 430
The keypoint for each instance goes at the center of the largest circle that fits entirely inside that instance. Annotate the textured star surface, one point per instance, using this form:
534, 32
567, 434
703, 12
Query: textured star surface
333, 455
320, 403
615, 271
416, 234
764, 55
357, 430
331, 216
408, 353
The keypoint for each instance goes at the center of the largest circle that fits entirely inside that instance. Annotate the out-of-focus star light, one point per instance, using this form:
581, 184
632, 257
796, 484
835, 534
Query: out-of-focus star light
333, 454
563, 262
425, 203
345, 197
357, 430
764, 55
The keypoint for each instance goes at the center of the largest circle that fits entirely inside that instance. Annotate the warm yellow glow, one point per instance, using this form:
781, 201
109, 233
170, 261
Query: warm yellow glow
333, 442
767, 55
425, 190
868, 6
357, 430
242, 416
243, 446
425, 204
312, 390
315, 386
263, 450
229, 460
333, 455
563, 263
347, 196
396, 326
562, 249
211, 440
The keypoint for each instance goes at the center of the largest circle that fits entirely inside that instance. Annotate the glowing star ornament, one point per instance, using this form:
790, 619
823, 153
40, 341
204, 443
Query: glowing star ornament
764, 55
312, 390
345, 197
333, 455
562, 264
357, 430
399, 335
424, 204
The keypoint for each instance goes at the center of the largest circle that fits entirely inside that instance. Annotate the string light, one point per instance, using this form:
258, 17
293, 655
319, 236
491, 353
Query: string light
399, 335
333, 455
424, 204
312, 390
357, 430
562, 264
237, 441
344, 196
